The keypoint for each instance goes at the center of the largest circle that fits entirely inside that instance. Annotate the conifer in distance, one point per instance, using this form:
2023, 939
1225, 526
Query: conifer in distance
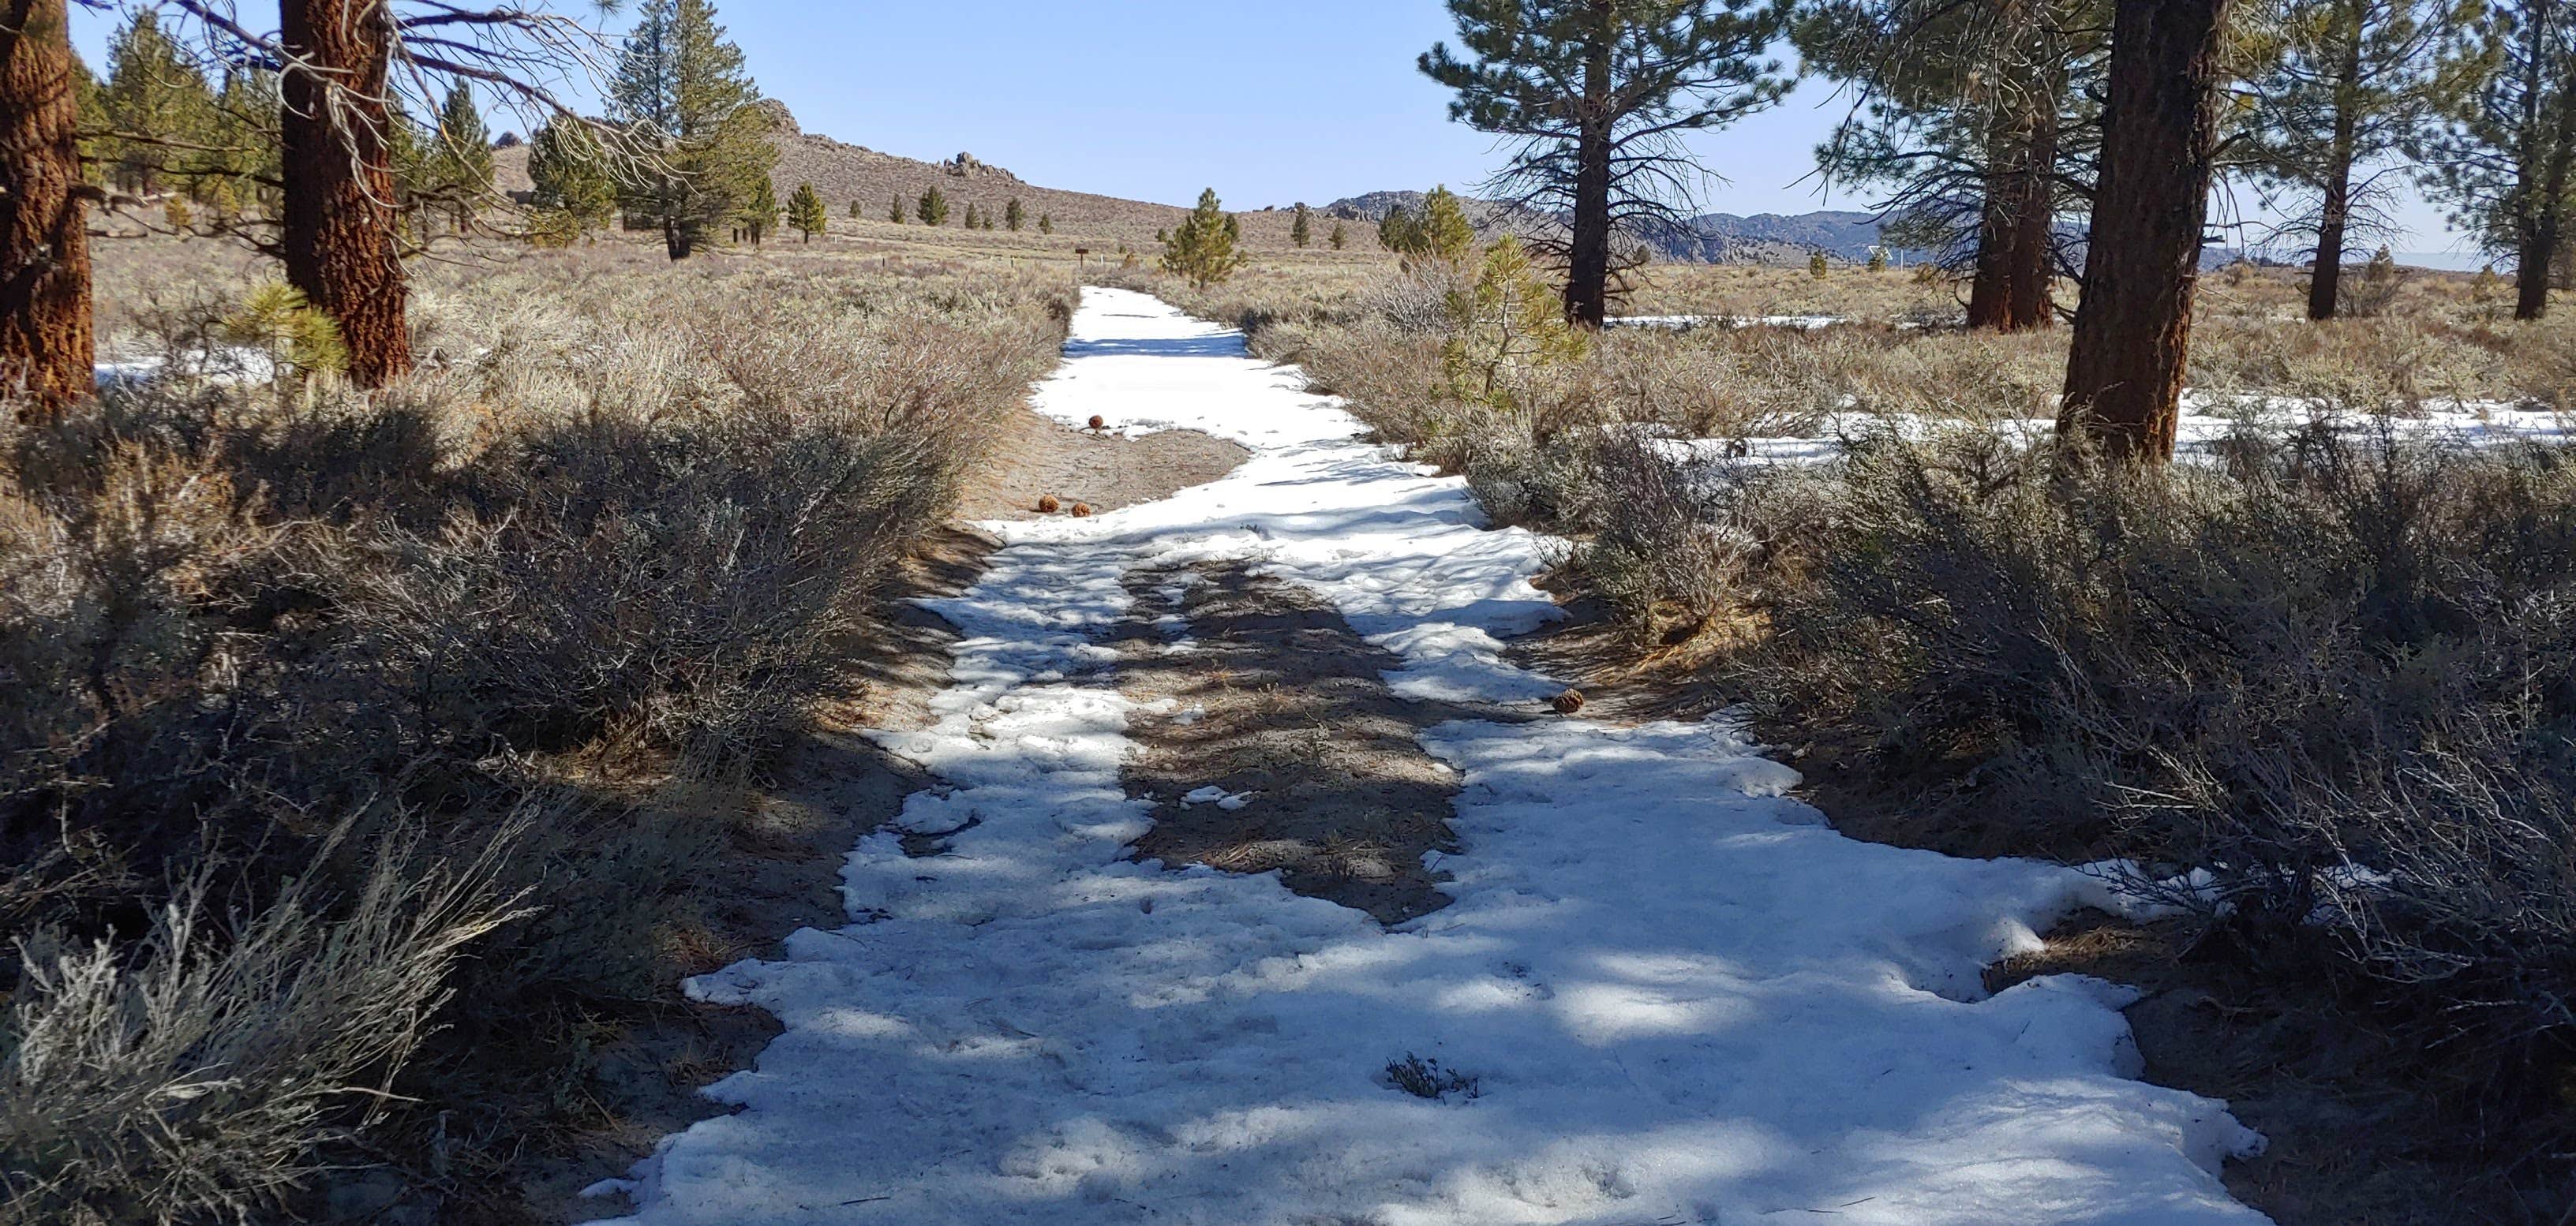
571, 187
681, 86
1013, 215
932, 209
760, 213
1205, 247
805, 211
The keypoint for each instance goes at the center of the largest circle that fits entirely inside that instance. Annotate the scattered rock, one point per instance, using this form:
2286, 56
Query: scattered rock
781, 120
968, 166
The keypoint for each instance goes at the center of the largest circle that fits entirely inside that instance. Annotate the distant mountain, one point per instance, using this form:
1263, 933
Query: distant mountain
847, 174
1713, 238
1775, 238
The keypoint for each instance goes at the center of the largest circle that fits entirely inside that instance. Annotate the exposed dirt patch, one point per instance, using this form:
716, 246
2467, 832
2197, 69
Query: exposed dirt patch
1273, 699
1623, 680
1032, 457
786, 836
2351, 1142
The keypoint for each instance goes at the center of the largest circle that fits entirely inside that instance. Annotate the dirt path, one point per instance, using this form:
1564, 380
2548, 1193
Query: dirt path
1032, 457
1263, 692
1660, 990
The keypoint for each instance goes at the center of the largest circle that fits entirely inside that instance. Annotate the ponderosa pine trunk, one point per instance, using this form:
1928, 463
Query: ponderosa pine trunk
2325, 284
46, 350
2018, 218
1990, 281
2548, 216
2133, 328
339, 223
1587, 273
2032, 269
2334, 217
2010, 289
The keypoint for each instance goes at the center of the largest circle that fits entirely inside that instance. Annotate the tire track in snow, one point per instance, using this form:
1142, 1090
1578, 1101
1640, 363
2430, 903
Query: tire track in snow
1682, 997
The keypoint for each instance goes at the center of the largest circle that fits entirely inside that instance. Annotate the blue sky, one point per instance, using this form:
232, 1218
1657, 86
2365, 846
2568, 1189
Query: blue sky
1155, 99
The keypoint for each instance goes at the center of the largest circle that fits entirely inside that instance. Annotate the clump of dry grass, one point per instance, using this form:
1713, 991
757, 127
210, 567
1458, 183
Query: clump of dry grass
624, 527
2329, 676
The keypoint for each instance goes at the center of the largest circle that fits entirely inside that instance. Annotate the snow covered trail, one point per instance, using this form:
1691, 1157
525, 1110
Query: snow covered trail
1666, 992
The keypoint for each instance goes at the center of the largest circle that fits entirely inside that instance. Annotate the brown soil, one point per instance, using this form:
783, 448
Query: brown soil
1277, 698
2346, 1111
2351, 1140
1032, 457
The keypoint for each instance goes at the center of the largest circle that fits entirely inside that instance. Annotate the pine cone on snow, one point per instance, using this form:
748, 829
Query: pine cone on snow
1098, 422
1081, 509
1568, 702
1047, 504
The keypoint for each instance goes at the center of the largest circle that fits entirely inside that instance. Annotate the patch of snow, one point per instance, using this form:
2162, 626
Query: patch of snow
1681, 996
2207, 422
216, 363
1214, 795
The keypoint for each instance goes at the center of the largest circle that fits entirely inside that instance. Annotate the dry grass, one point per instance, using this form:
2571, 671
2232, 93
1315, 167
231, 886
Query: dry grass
2330, 677
312, 692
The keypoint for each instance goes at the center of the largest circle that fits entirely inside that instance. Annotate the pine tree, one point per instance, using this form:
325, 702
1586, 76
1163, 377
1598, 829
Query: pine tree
760, 213
932, 209
223, 200
1599, 94
180, 217
1013, 215
89, 105
894, 211
571, 187
1507, 323
857, 211
1301, 230
1398, 232
1878, 259
1816, 266
681, 87
1340, 238
153, 95
1445, 233
2351, 85
2505, 157
805, 211
1046, 223
974, 221
1976, 120
246, 134
1204, 248
460, 157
